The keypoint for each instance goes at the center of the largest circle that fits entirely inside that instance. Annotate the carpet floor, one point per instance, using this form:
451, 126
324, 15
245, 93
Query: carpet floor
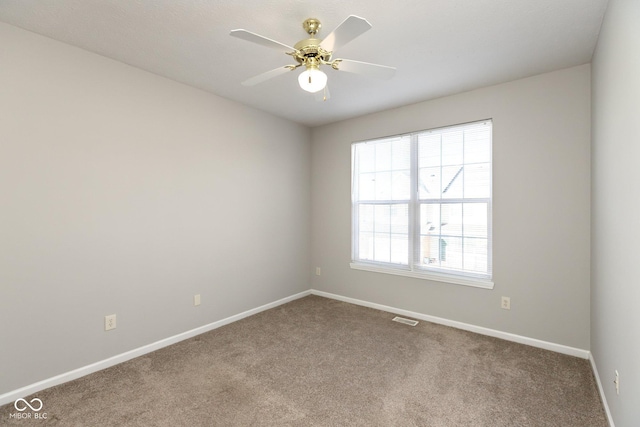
321, 362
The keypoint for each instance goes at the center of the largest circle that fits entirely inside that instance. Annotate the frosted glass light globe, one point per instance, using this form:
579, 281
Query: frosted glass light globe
312, 80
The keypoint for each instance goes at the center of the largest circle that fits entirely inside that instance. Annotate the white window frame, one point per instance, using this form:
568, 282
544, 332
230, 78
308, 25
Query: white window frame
414, 270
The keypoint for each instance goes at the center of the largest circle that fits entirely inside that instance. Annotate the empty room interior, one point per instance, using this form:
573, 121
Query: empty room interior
188, 238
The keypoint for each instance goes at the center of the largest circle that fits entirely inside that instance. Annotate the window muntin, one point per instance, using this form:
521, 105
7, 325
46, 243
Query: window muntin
422, 202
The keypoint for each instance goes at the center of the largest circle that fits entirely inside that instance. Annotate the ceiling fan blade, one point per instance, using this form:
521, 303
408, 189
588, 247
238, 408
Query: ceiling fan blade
265, 76
365, 68
261, 40
348, 30
322, 95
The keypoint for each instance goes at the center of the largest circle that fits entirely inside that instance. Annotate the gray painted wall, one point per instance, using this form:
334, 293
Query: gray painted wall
615, 291
123, 192
541, 223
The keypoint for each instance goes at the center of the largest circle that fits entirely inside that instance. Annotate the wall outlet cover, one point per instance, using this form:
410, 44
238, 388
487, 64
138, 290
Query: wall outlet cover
109, 322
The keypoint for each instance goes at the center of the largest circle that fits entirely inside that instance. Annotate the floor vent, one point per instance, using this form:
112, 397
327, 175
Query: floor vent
405, 321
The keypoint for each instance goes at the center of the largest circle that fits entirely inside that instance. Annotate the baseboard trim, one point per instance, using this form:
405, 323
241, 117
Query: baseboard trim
123, 357
558, 348
140, 351
601, 390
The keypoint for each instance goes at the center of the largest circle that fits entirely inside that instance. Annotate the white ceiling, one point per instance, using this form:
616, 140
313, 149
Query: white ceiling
439, 47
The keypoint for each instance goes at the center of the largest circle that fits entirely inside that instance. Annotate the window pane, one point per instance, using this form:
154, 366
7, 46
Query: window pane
382, 248
401, 185
477, 180
366, 158
383, 233
400, 249
450, 251
400, 219
429, 184
383, 186
365, 246
384, 170
367, 186
430, 218
475, 255
451, 219
429, 234
429, 250
477, 145
400, 165
452, 148
429, 150
400, 234
452, 182
401, 159
382, 219
365, 218
383, 156
475, 220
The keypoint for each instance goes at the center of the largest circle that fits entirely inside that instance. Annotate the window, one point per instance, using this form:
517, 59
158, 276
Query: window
421, 204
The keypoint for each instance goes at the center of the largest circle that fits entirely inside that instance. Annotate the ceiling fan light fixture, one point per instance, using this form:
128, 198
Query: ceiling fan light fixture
312, 79
312, 52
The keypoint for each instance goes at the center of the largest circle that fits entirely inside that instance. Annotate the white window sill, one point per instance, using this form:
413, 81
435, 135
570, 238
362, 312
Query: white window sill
457, 280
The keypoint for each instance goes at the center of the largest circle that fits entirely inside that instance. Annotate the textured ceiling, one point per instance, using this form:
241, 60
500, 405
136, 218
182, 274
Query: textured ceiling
439, 47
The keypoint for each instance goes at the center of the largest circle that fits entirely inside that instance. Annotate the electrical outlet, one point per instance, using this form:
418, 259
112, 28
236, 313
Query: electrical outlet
506, 303
109, 322
196, 299
318, 271
616, 381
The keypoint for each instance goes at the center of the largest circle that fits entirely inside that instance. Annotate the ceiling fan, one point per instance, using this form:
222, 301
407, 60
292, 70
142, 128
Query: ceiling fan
312, 53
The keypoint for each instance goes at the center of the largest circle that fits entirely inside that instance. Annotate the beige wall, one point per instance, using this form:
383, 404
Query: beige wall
540, 213
123, 192
615, 288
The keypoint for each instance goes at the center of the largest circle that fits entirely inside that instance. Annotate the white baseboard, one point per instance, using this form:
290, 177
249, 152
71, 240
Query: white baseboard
601, 390
123, 357
558, 348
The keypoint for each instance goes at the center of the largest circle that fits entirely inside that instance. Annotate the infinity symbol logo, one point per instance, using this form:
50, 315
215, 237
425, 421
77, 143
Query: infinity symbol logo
27, 404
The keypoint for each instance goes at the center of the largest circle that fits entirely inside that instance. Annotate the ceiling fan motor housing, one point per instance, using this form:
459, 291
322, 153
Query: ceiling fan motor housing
310, 48
308, 51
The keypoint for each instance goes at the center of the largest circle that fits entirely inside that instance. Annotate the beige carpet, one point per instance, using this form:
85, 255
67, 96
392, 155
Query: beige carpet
320, 362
